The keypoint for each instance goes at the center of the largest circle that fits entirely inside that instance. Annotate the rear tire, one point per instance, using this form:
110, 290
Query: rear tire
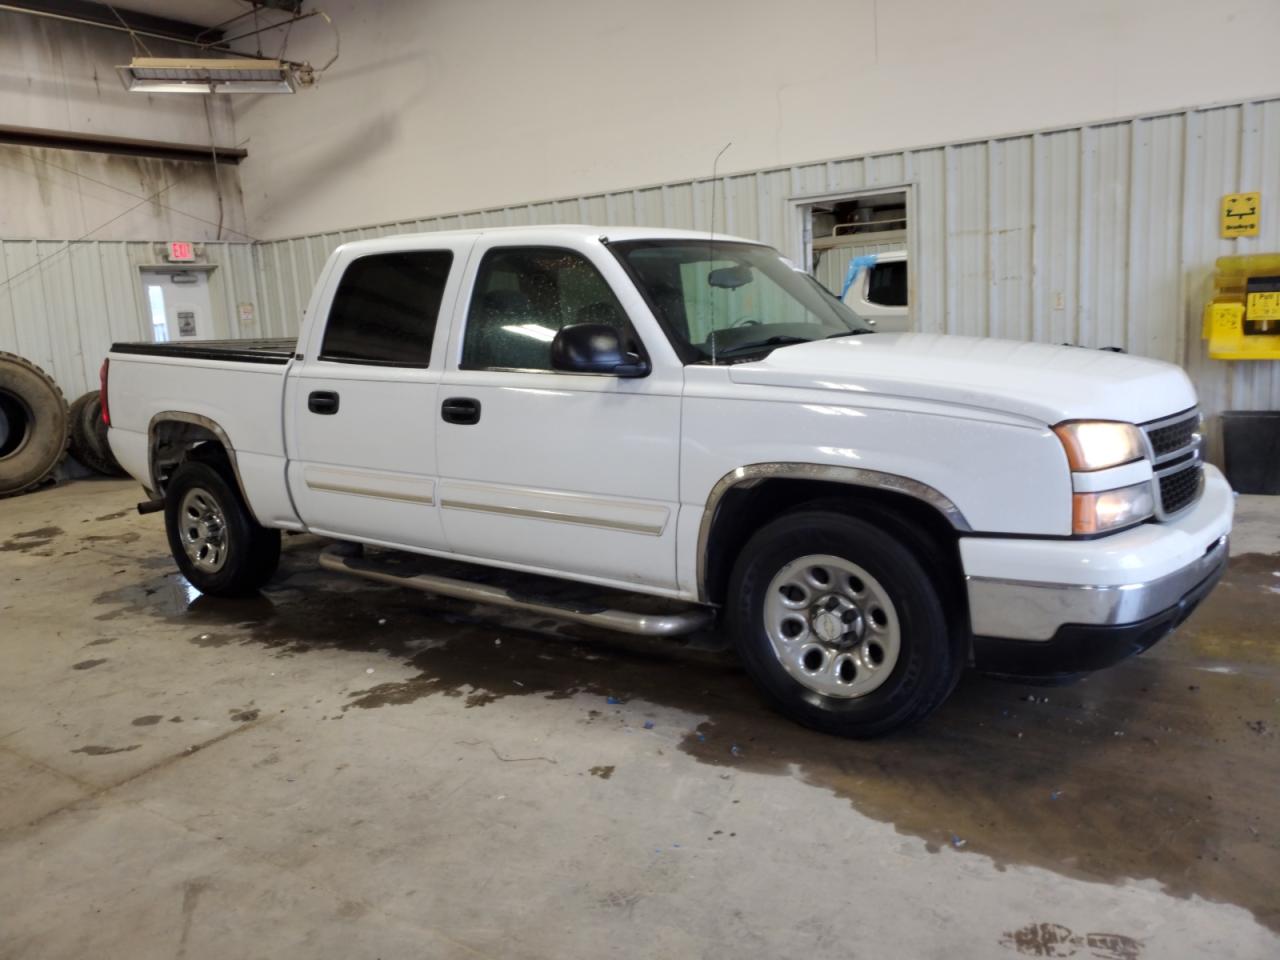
33, 425
214, 539
839, 625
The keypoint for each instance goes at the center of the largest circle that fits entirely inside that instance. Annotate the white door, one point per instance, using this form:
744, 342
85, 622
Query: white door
574, 474
178, 304
361, 402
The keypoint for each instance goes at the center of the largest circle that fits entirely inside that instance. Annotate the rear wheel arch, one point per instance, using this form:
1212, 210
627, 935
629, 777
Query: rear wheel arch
174, 437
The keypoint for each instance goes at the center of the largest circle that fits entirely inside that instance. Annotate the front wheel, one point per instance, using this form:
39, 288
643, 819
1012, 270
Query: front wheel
840, 626
216, 542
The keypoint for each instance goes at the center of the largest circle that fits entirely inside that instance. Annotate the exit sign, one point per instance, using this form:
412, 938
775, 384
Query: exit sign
181, 252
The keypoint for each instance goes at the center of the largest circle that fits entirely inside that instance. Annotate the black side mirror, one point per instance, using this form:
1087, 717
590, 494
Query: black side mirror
594, 348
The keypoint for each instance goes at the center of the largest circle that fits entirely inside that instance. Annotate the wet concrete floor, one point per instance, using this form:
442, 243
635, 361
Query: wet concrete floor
1131, 814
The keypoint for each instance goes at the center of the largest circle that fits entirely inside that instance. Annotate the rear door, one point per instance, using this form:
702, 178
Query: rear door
360, 403
562, 472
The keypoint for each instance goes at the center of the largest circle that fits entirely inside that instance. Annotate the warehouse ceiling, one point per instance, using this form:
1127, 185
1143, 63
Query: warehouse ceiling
206, 13
176, 18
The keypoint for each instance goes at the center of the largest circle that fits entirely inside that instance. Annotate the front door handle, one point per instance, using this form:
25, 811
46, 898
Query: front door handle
461, 410
324, 402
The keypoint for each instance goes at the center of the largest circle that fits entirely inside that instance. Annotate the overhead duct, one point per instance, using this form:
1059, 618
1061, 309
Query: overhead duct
200, 75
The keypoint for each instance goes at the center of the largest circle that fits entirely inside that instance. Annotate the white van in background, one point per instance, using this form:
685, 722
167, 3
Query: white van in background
878, 292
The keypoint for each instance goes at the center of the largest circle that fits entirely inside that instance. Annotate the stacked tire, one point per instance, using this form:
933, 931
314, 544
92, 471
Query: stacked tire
34, 425
89, 436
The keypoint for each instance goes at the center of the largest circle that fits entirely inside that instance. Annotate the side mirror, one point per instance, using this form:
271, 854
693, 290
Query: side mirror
594, 348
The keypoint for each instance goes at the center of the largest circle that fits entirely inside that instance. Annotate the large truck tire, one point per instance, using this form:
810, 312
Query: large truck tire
89, 436
34, 425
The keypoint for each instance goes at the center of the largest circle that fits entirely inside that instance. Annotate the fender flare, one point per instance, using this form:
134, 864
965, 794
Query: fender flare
851, 476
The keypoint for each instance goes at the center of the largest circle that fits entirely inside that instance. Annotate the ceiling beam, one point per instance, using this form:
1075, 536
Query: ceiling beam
94, 143
99, 14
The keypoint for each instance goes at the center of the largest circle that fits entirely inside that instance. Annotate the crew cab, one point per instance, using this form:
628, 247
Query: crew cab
657, 431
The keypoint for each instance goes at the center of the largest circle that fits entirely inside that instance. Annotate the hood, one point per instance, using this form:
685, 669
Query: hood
1036, 380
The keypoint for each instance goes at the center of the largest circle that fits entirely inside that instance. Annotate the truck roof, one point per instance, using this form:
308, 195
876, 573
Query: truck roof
580, 230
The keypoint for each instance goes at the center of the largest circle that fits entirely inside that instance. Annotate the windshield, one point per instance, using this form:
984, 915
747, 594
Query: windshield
725, 300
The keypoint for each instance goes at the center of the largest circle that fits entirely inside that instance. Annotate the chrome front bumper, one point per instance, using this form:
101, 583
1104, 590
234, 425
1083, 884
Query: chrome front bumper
1025, 610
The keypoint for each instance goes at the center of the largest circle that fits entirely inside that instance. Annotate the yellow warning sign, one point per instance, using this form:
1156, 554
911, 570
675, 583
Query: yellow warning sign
1263, 306
1240, 214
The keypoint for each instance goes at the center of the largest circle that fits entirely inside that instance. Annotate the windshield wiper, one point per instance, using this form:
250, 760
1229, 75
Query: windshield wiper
755, 345
847, 333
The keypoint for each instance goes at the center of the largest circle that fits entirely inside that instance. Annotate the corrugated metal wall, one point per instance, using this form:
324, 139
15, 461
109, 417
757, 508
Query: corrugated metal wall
62, 304
1098, 235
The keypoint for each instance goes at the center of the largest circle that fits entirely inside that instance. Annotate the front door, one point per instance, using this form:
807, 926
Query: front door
360, 403
569, 473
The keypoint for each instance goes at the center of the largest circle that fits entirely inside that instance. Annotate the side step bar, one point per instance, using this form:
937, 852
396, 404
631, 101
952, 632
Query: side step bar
347, 558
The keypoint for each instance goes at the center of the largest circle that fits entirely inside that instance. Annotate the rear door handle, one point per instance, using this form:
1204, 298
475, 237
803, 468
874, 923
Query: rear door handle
463, 410
323, 402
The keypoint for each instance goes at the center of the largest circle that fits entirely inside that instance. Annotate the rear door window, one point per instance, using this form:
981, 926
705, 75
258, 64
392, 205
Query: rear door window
385, 309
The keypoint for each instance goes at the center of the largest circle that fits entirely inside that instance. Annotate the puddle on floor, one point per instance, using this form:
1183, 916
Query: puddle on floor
1157, 768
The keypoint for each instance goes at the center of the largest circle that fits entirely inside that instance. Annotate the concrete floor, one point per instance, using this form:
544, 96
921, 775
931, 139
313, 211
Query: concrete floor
340, 770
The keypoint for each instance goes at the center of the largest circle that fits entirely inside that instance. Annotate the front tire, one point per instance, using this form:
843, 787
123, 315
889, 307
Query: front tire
217, 544
840, 626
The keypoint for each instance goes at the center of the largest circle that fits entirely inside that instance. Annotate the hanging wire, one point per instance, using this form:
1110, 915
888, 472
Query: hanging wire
117, 189
213, 156
86, 235
137, 40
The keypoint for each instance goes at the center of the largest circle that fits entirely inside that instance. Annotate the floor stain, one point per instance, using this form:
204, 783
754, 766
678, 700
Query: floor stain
244, 715
31, 540
88, 664
1055, 940
191, 891
1146, 770
604, 773
131, 536
113, 516
100, 642
149, 720
99, 751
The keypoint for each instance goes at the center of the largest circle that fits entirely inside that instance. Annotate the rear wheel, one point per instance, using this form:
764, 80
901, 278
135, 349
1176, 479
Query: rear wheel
217, 544
840, 626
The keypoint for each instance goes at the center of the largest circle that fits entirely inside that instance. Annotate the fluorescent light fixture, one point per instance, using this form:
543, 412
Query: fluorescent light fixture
199, 75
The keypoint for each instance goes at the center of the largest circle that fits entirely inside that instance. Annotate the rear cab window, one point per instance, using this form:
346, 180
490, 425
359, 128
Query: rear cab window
385, 309
523, 296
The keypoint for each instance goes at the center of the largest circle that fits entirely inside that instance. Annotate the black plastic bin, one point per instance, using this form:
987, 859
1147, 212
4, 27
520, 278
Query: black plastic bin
1251, 448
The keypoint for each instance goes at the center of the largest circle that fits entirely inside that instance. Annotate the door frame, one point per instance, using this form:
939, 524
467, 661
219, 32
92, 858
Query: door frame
800, 225
216, 306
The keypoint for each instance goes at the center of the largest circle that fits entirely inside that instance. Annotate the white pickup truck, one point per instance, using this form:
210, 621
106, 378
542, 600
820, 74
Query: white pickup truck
578, 420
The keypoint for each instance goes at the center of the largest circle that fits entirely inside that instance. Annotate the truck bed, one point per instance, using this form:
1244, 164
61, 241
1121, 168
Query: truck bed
239, 351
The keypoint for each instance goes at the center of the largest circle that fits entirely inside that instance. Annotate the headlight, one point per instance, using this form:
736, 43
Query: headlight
1110, 509
1098, 444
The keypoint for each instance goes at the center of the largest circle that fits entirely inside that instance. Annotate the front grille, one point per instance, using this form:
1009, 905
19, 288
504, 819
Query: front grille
1175, 458
1180, 488
1173, 436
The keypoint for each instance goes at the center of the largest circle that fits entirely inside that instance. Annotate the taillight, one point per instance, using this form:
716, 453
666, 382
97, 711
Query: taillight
102, 375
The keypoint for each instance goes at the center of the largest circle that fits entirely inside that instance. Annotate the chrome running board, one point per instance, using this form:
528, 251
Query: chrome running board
348, 558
